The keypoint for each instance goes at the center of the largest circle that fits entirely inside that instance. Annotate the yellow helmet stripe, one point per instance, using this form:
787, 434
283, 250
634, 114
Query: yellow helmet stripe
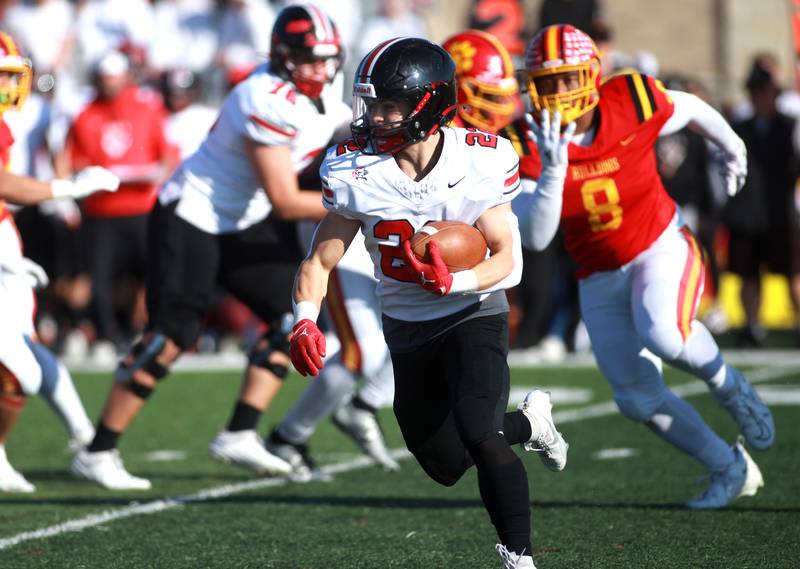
8, 44
551, 42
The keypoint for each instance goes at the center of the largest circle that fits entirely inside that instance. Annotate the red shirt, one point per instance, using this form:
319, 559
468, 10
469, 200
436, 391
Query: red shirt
6, 140
125, 135
615, 205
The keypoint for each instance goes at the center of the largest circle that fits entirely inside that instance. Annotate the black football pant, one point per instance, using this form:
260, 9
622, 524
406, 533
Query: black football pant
450, 401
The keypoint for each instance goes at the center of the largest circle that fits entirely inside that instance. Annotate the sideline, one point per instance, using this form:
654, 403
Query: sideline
237, 361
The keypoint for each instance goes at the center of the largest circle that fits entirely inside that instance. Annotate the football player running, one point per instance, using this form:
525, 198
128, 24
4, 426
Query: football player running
26, 366
228, 217
640, 269
488, 96
447, 332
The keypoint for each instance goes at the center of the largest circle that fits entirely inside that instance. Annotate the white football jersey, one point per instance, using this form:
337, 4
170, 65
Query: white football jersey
217, 186
476, 171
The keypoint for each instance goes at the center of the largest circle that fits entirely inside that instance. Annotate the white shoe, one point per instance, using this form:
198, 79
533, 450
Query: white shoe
76, 347
104, 354
545, 439
362, 426
246, 449
10, 479
304, 468
552, 350
513, 561
106, 469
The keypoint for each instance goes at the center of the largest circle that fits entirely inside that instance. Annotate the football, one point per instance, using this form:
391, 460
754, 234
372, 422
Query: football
461, 245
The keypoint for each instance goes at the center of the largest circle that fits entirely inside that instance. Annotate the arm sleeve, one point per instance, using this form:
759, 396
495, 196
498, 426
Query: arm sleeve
692, 112
538, 208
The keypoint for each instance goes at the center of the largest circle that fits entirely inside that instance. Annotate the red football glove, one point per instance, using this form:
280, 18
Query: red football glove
434, 277
307, 347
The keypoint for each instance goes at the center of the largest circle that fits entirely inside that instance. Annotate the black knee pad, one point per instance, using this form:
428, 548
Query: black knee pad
276, 342
143, 356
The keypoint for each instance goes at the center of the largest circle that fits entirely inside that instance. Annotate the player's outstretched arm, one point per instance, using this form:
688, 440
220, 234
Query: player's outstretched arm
274, 170
693, 112
331, 240
539, 207
24, 190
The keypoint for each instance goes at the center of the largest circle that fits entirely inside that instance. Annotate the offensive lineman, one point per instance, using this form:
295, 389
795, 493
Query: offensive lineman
26, 366
640, 270
228, 216
447, 333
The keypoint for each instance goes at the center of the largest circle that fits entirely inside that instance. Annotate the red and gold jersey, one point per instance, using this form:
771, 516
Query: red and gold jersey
614, 205
6, 140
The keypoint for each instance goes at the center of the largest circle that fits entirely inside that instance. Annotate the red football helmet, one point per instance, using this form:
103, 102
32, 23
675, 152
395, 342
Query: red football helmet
303, 33
487, 89
557, 49
16, 71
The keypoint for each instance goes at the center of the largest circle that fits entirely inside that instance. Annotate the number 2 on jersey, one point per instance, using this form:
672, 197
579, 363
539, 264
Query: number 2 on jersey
392, 263
601, 200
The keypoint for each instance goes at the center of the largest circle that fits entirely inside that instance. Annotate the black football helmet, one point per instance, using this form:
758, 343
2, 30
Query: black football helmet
412, 70
303, 33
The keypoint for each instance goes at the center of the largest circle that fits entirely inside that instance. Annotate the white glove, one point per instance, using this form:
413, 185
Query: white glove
87, 181
27, 269
552, 143
734, 169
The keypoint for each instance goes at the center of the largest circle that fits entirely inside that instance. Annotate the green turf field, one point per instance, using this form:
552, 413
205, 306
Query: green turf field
611, 513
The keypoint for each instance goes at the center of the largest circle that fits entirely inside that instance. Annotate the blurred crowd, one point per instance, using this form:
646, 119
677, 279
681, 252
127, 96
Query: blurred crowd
133, 85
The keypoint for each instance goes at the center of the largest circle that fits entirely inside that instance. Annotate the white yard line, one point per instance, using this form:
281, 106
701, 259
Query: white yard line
156, 506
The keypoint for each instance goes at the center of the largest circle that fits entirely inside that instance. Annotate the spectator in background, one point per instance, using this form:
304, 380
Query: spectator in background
186, 35
504, 19
123, 130
788, 101
189, 119
394, 18
763, 220
105, 25
45, 28
242, 40
583, 14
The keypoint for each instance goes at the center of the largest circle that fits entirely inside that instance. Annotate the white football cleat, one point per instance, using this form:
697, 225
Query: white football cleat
512, 560
246, 449
362, 426
545, 439
106, 469
10, 479
304, 468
